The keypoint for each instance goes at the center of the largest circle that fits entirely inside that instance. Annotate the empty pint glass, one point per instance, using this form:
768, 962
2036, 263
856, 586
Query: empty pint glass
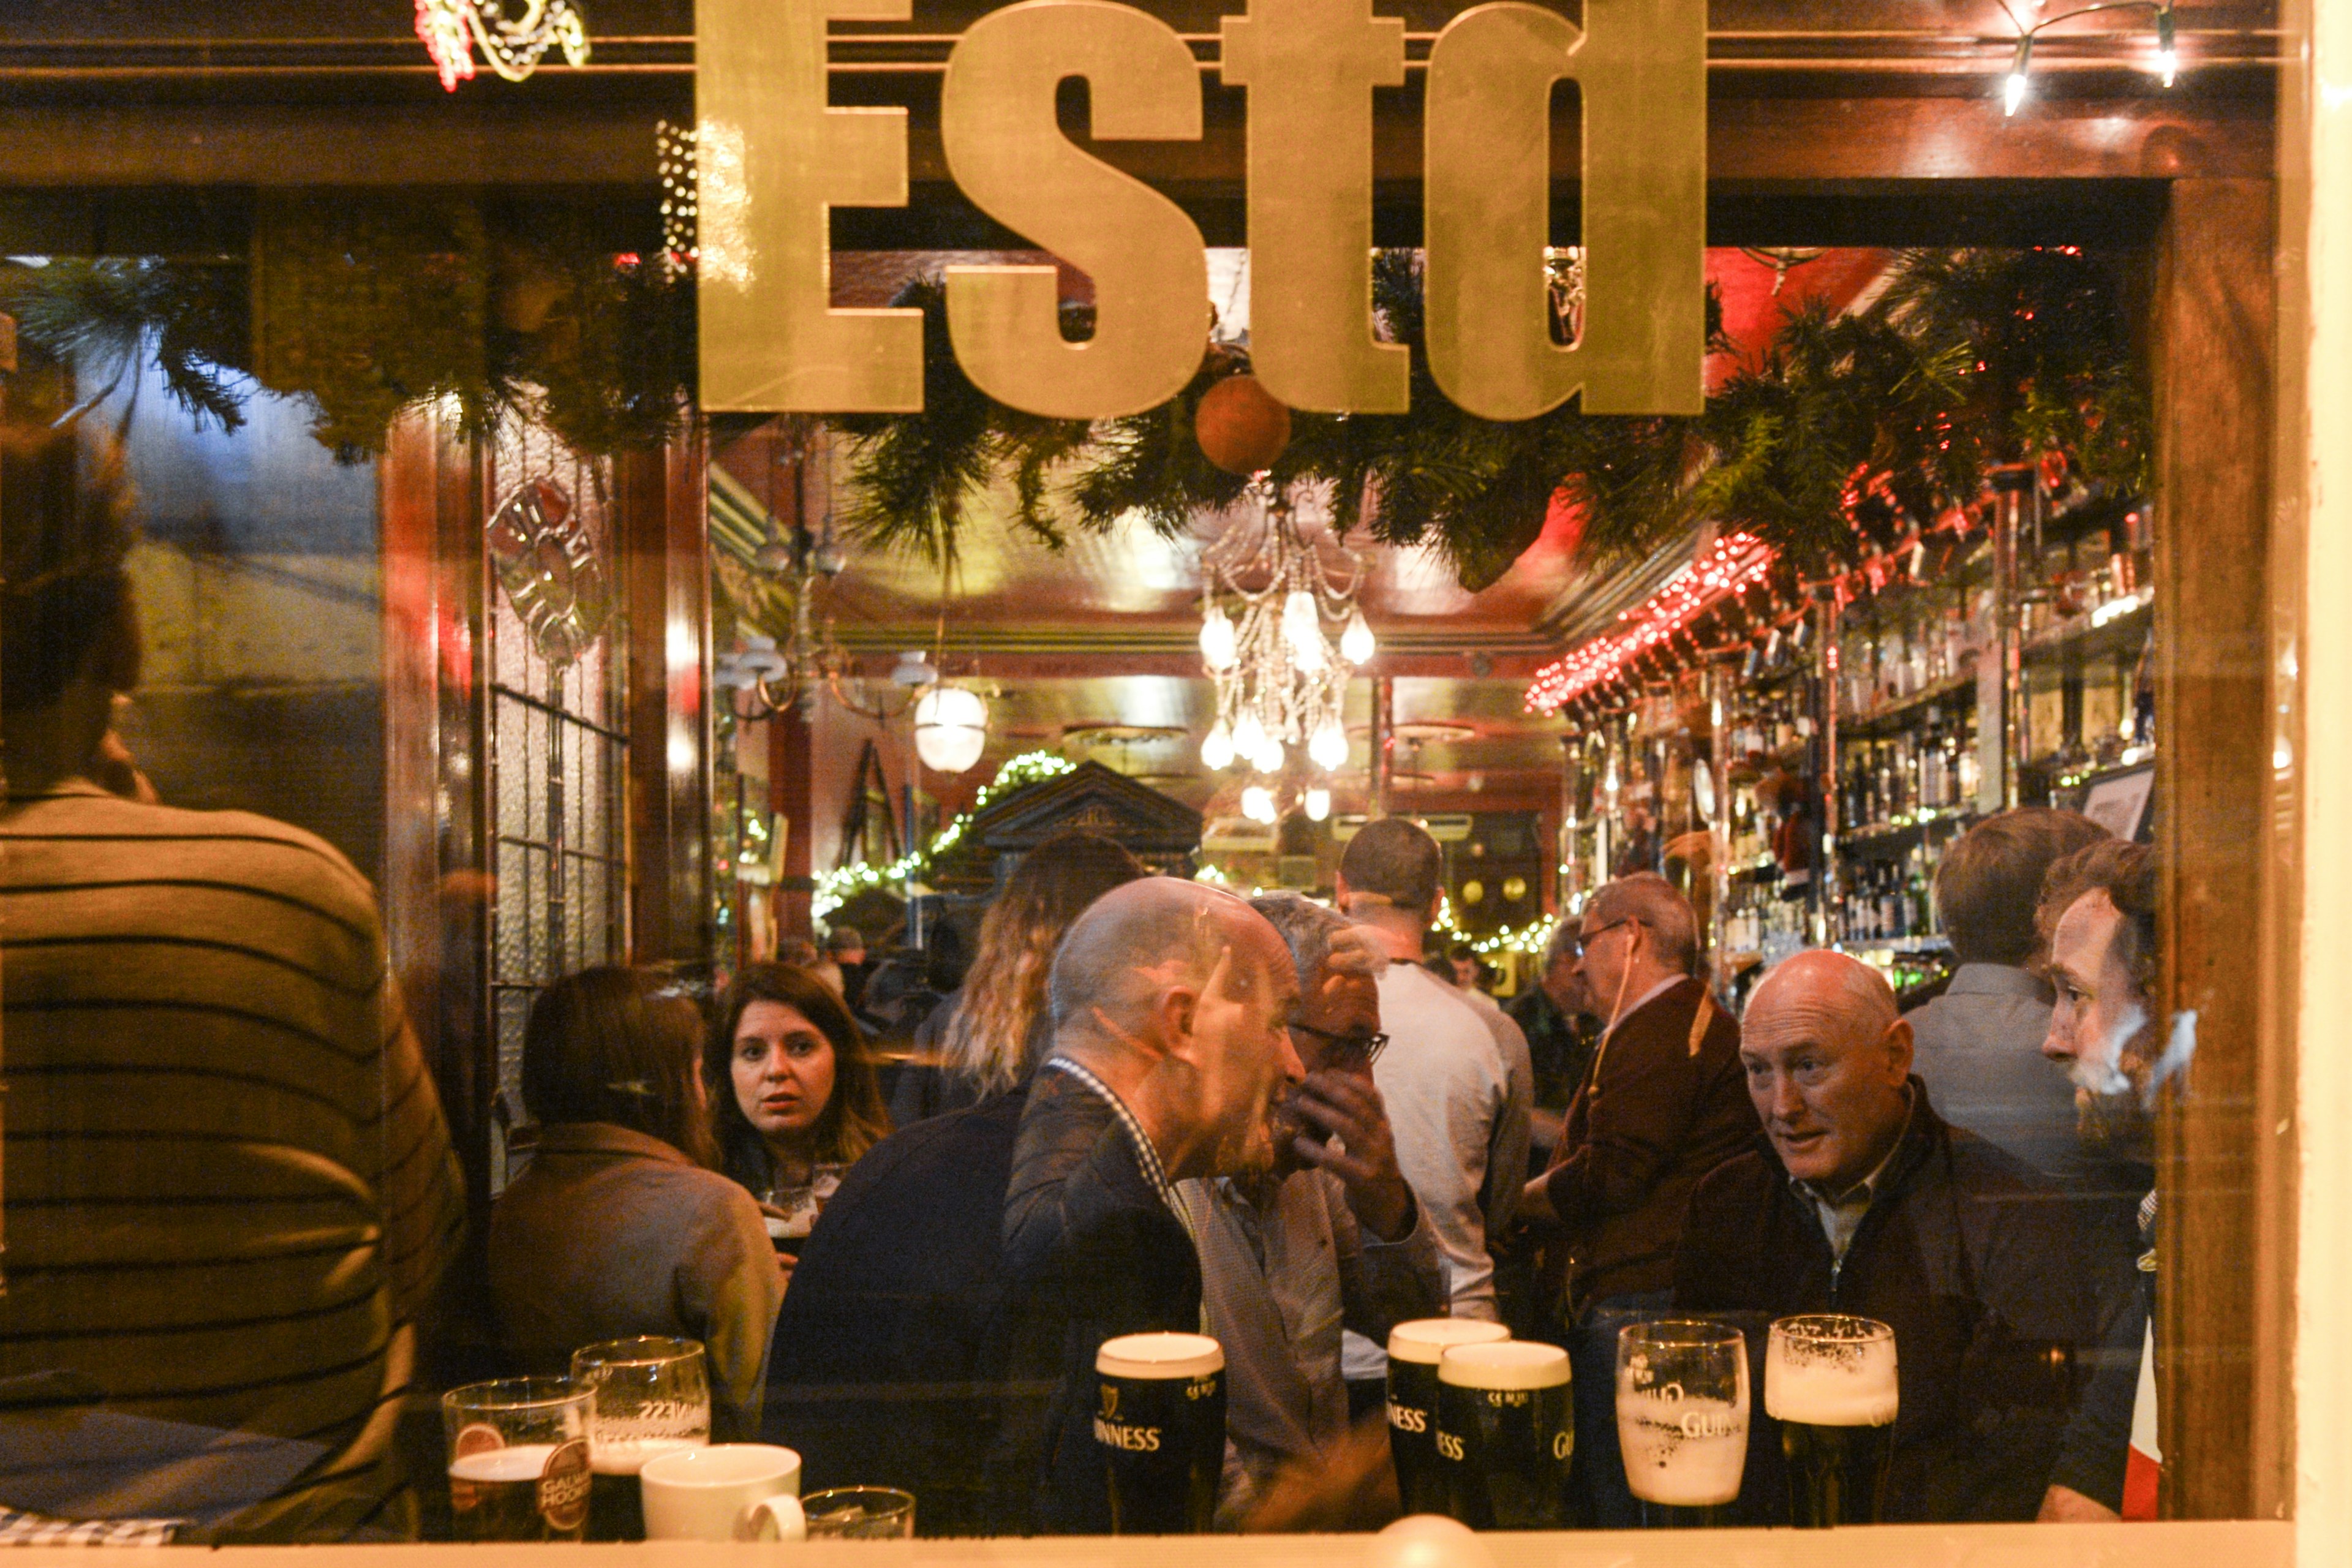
1506, 1431
1829, 1381
1682, 1418
1161, 1419
1414, 1351
652, 1397
518, 1458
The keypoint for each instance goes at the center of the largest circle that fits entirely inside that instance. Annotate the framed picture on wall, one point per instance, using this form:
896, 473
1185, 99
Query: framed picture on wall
2118, 803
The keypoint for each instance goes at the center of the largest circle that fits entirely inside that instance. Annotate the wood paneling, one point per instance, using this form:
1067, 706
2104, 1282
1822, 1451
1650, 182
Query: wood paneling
2223, 1175
658, 497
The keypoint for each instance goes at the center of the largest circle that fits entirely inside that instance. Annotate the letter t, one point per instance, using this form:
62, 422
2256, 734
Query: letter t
1310, 66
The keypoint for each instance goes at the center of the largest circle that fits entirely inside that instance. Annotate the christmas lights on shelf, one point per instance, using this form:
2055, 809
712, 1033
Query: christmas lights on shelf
1280, 634
1732, 565
2168, 56
511, 45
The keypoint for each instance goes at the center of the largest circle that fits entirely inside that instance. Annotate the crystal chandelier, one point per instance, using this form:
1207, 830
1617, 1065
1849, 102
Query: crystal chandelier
1269, 603
511, 45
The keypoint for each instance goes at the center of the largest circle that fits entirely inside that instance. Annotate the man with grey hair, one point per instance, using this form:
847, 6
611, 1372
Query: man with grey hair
1556, 1016
1662, 1106
1860, 1199
1171, 1055
1329, 1237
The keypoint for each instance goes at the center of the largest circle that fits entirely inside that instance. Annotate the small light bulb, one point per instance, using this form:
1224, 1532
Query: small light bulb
1318, 804
2168, 57
1257, 803
1217, 640
1329, 748
1302, 629
1217, 747
1249, 736
1356, 644
1271, 756
2012, 92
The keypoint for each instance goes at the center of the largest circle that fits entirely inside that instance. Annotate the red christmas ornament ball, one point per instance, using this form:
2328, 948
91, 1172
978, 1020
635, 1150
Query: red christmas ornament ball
1240, 426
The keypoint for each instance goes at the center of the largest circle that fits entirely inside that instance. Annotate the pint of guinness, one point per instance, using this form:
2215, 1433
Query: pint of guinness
1414, 1352
1160, 1420
1829, 1381
1682, 1418
1506, 1430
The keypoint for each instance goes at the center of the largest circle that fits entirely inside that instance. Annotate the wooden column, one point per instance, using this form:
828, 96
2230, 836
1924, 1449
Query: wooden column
658, 499
435, 891
2224, 1157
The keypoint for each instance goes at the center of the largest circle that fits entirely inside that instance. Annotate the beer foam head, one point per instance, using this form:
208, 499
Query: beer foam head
1831, 1370
1424, 1340
1505, 1364
1160, 1355
520, 1462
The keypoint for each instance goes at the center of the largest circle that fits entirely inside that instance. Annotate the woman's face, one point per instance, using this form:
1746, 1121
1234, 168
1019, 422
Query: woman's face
784, 1069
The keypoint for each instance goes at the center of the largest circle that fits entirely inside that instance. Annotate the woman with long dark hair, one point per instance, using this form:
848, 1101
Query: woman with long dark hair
621, 1226
789, 1083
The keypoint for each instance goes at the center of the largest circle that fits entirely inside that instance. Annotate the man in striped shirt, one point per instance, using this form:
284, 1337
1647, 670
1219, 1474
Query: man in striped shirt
228, 1185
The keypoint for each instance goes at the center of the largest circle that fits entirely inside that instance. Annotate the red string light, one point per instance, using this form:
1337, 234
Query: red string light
1732, 565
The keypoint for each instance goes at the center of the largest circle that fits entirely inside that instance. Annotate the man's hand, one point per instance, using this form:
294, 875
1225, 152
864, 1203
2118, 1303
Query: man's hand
1209, 1094
1365, 1157
1352, 1488
1535, 1202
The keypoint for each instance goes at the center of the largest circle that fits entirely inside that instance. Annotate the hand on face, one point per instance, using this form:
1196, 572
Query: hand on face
1229, 1064
1347, 1133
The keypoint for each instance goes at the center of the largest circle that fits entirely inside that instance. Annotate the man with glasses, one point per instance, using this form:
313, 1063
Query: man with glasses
1330, 1236
1664, 1103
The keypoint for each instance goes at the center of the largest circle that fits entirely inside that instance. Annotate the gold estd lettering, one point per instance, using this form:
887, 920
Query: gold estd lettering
773, 161
1310, 66
1007, 153
1641, 68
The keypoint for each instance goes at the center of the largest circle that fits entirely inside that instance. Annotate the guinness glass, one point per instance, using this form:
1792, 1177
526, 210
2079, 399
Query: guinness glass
518, 1458
652, 1397
1506, 1430
1414, 1351
1682, 1418
1160, 1416
1829, 1381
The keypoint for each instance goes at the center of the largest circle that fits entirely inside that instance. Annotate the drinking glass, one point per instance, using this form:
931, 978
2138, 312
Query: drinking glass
860, 1513
519, 1463
652, 1397
1682, 1418
1829, 1381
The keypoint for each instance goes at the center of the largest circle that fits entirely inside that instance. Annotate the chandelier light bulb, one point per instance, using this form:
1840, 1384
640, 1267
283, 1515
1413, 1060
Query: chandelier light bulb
1270, 756
1302, 629
1249, 736
1217, 747
1356, 643
2012, 89
1329, 748
1257, 803
1318, 804
1217, 640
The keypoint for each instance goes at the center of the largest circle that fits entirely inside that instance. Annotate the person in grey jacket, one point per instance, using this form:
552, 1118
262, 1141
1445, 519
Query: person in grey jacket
1330, 1236
620, 1228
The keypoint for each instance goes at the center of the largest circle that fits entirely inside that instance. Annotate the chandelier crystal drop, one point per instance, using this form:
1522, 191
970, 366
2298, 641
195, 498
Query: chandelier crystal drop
1281, 632
1318, 804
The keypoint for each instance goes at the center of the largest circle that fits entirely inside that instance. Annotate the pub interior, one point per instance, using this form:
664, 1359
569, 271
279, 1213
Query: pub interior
832, 771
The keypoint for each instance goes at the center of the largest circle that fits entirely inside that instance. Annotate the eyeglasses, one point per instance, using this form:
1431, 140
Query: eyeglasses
1584, 940
1366, 1047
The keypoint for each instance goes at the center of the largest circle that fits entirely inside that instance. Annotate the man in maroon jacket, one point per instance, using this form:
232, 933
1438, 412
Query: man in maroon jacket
1663, 1104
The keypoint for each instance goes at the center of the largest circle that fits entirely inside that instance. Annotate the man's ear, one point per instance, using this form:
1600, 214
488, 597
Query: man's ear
1898, 1047
1339, 891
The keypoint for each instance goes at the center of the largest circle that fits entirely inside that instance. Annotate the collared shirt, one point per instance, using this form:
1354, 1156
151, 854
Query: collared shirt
1841, 1213
1146, 1155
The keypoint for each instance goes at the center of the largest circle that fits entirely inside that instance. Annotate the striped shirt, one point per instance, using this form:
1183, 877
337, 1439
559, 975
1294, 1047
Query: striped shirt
227, 1181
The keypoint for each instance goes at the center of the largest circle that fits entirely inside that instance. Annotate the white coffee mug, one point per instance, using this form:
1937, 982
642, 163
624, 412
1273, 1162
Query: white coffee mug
727, 1491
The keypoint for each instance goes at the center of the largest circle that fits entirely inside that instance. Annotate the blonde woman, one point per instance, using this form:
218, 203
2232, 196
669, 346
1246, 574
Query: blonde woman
996, 1025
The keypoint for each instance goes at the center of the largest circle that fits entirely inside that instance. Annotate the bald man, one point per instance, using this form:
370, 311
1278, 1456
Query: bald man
1859, 1198
1170, 1003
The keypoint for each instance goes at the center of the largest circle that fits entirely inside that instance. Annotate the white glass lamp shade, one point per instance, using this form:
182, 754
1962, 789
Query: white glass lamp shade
1257, 803
1318, 804
1249, 737
1217, 640
1329, 748
760, 657
1302, 629
1217, 747
1356, 643
951, 728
